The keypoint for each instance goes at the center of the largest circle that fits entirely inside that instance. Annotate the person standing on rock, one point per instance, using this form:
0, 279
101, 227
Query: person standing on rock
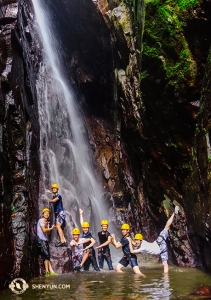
103, 249
128, 256
87, 234
158, 247
59, 214
79, 254
42, 241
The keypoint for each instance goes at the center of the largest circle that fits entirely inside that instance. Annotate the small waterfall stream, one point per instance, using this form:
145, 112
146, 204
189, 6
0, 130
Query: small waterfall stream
64, 149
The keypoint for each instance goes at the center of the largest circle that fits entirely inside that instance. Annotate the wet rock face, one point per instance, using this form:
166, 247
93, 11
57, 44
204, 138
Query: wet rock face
19, 136
145, 148
176, 99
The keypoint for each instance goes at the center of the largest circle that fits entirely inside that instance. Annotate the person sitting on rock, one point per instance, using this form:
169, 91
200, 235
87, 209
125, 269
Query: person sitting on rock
158, 247
87, 234
42, 240
59, 214
79, 254
103, 249
128, 256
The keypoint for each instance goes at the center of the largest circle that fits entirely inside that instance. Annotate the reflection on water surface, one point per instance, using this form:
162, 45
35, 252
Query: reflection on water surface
108, 285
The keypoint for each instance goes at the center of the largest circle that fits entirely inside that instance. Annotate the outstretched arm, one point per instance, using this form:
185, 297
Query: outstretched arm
81, 216
131, 247
85, 241
106, 243
91, 245
115, 243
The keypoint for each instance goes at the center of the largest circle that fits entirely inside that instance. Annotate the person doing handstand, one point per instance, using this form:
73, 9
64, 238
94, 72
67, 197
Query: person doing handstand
158, 247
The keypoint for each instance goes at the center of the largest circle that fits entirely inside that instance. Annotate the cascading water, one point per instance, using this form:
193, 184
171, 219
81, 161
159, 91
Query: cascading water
64, 148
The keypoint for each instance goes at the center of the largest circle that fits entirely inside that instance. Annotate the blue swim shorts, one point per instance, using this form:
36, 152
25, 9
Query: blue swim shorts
60, 217
126, 260
161, 240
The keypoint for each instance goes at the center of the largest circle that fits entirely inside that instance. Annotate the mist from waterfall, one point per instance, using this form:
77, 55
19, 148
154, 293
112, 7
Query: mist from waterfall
64, 149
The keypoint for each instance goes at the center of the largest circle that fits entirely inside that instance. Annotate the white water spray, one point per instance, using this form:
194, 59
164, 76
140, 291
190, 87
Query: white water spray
64, 148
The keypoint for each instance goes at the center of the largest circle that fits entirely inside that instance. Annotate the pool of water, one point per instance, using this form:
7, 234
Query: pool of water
109, 285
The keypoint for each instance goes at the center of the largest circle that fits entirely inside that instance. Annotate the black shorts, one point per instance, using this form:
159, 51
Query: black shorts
125, 261
44, 249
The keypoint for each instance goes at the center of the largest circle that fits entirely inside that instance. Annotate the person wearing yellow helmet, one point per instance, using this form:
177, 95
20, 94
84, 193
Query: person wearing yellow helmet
79, 255
128, 256
59, 214
43, 230
89, 245
105, 239
159, 246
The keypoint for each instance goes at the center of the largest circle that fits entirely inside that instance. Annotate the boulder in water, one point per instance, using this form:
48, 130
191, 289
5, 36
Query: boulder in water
203, 291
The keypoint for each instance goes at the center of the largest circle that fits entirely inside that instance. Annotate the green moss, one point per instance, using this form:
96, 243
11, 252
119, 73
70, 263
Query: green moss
164, 40
184, 4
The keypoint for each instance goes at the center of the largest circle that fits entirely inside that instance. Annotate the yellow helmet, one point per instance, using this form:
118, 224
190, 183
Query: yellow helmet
138, 236
85, 225
76, 231
125, 226
104, 222
45, 209
55, 185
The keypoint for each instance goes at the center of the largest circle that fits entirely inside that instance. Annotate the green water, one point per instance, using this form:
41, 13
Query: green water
109, 285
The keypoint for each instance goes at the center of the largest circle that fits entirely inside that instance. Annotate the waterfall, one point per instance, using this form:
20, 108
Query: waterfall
64, 149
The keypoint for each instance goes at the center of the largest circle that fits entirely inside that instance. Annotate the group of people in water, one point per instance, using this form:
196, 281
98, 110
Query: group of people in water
82, 248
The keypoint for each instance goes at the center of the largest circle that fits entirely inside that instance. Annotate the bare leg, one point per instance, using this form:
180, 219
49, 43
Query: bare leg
169, 222
50, 267
137, 271
165, 267
60, 232
119, 268
85, 256
46, 265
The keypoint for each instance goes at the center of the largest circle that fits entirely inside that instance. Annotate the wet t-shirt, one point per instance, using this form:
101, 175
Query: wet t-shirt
42, 235
77, 250
103, 238
58, 205
151, 248
87, 236
126, 248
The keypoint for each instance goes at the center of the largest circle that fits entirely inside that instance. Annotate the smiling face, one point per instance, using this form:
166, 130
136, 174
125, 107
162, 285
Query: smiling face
138, 243
104, 227
46, 215
54, 190
125, 232
76, 237
85, 230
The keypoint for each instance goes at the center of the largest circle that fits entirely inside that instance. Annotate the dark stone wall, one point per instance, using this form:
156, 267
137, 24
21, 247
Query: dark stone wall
176, 95
19, 146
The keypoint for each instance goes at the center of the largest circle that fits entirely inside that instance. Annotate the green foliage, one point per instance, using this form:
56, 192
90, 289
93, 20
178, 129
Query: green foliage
184, 4
164, 40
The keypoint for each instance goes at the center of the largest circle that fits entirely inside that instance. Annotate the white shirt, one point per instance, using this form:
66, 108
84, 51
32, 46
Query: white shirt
40, 233
151, 248
77, 250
